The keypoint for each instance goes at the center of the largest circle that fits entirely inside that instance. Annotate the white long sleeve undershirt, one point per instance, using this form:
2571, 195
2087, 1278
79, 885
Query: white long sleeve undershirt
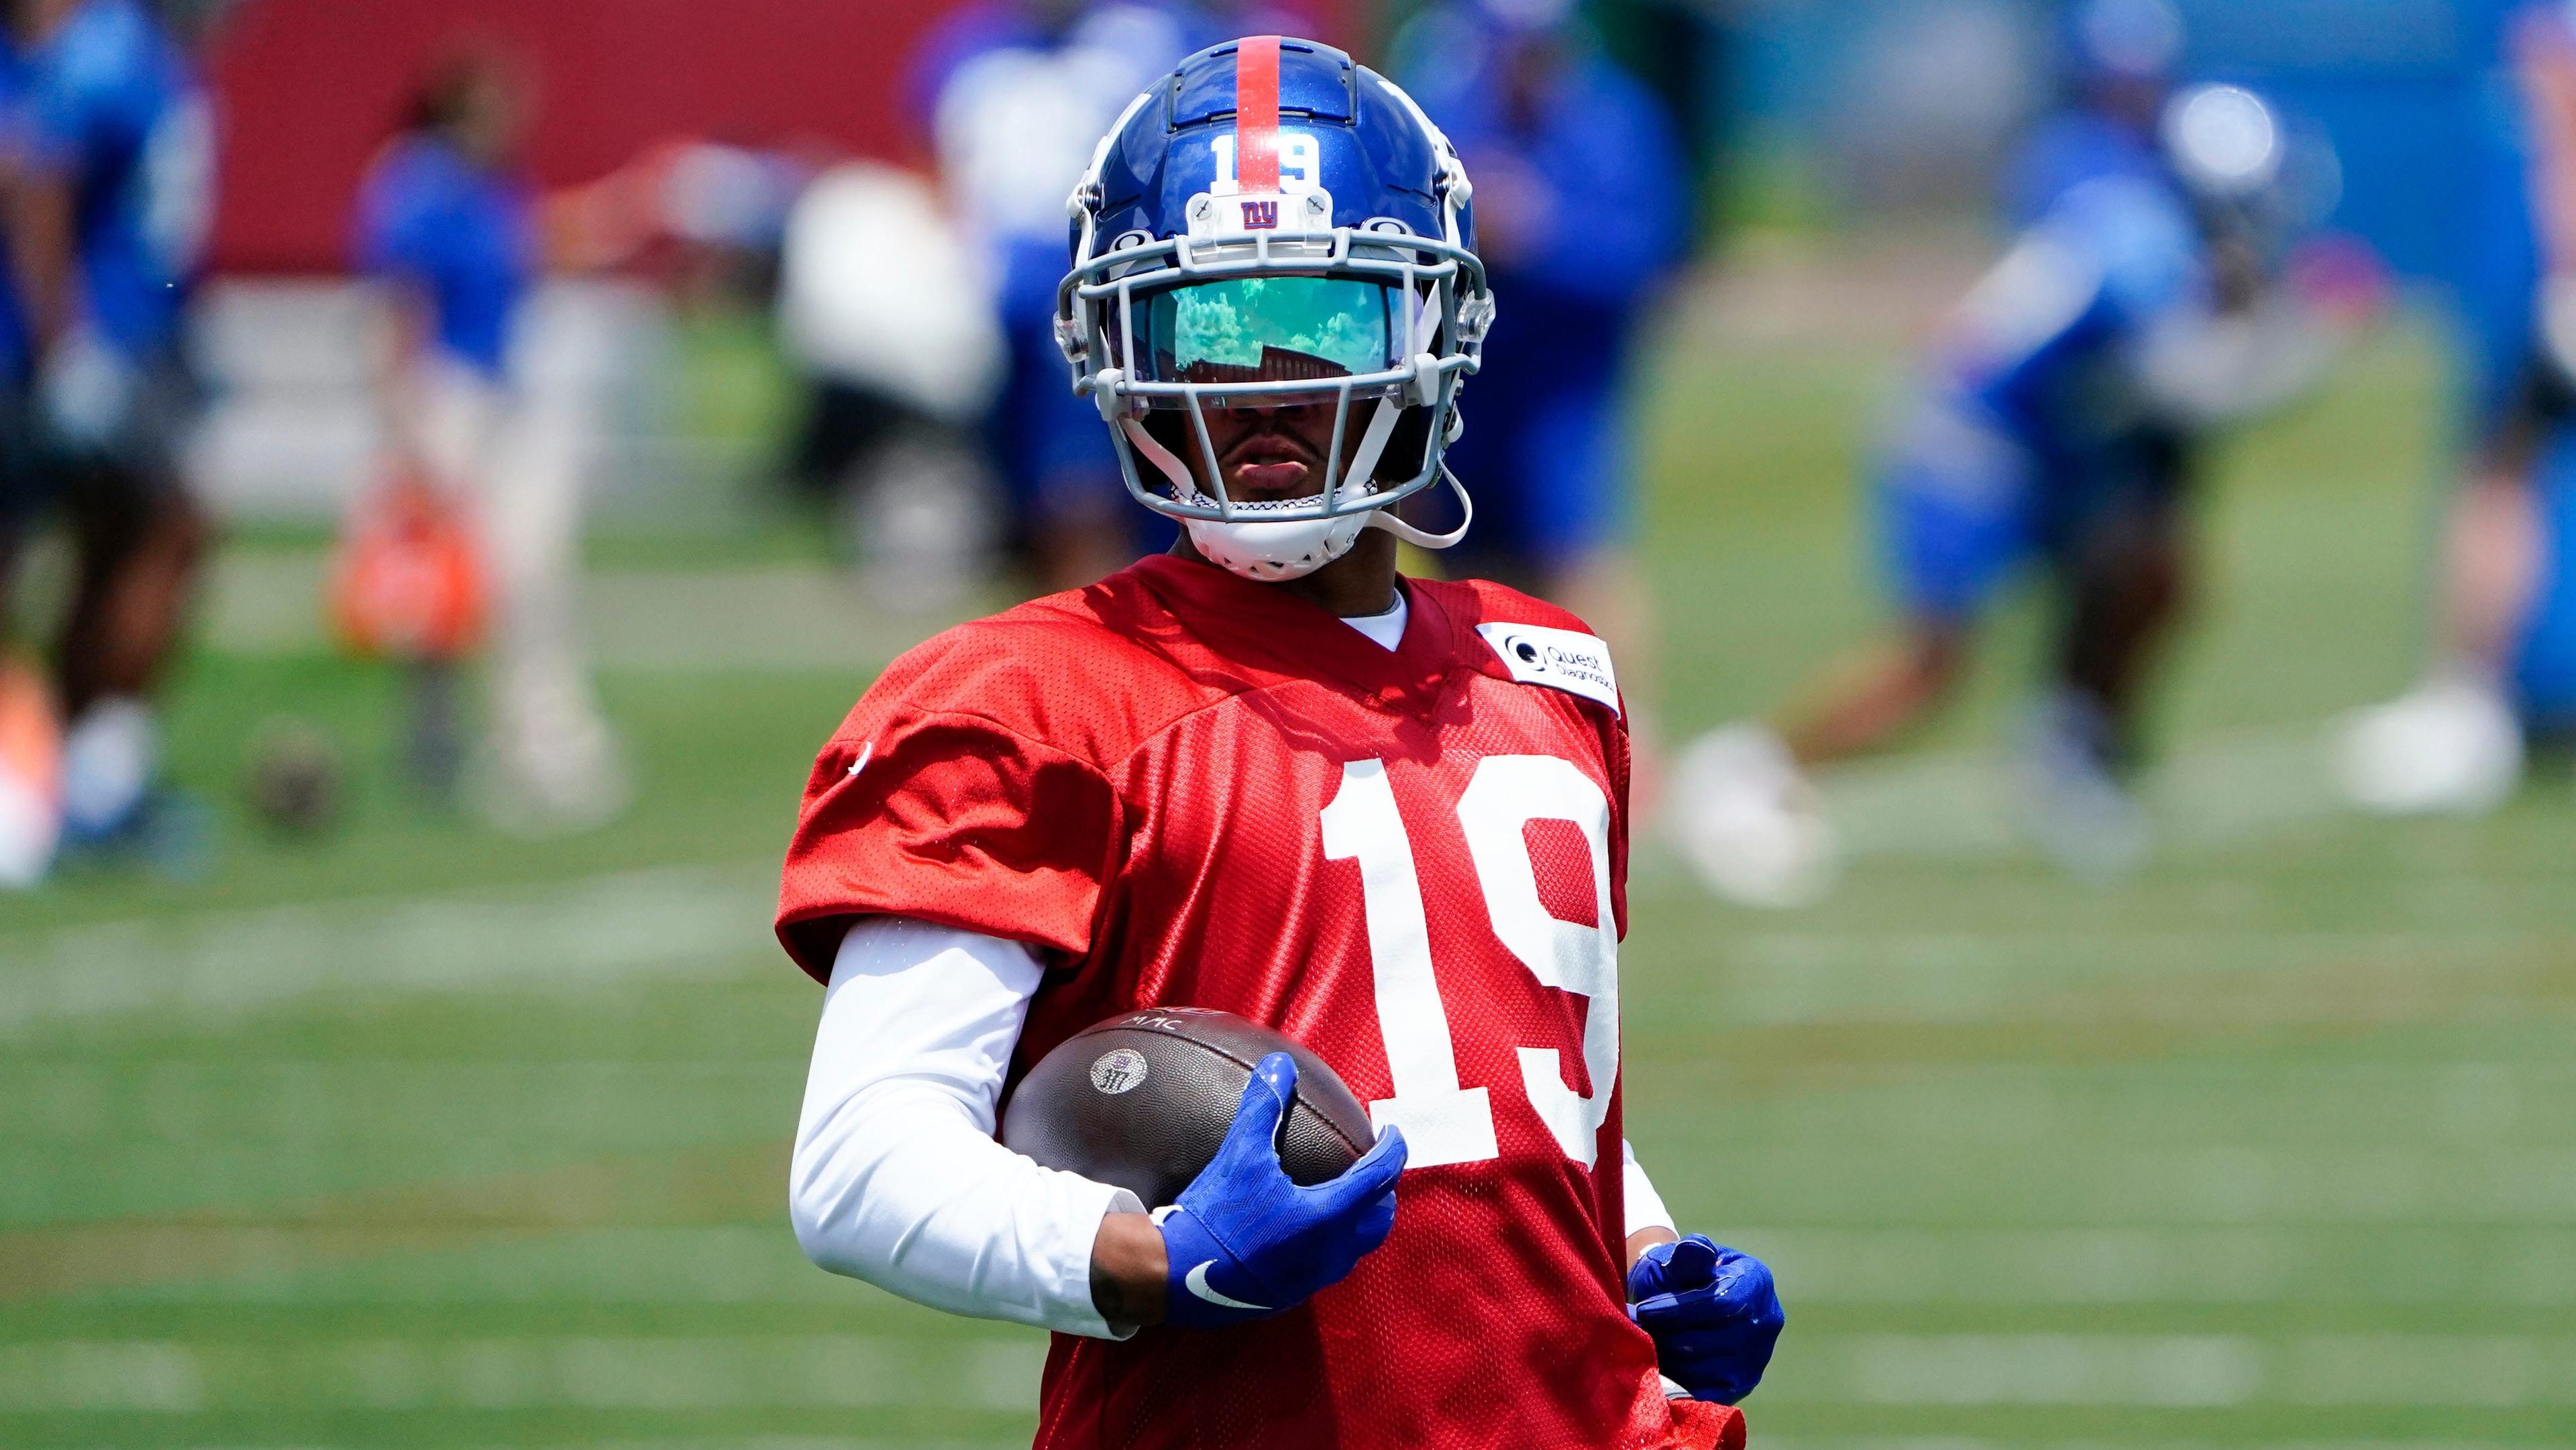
897, 1178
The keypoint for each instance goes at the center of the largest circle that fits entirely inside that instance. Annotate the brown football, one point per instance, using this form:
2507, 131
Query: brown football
1143, 1100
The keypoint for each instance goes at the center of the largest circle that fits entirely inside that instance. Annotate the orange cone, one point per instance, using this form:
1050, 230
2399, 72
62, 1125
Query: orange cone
31, 776
407, 581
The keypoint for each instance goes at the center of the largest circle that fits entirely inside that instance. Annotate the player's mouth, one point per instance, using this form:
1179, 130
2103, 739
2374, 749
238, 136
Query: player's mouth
1266, 467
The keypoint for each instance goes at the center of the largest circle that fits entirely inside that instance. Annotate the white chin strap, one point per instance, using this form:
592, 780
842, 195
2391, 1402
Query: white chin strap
1294, 548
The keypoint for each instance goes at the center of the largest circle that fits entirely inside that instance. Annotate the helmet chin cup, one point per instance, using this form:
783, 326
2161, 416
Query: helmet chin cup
1269, 553
1292, 549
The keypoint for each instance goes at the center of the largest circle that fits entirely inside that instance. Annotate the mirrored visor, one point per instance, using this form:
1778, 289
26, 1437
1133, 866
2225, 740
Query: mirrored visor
1268, 329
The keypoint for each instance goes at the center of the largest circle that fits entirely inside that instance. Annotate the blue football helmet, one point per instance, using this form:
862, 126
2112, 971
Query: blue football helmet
1274, 225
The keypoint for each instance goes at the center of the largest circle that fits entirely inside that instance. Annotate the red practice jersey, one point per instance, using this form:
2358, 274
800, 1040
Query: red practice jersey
1188, 789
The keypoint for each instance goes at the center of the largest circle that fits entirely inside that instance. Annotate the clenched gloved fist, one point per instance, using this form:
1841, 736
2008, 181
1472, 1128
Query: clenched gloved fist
1713, 1312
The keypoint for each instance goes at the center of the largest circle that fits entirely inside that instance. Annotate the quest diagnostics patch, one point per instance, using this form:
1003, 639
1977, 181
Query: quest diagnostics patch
1560, 659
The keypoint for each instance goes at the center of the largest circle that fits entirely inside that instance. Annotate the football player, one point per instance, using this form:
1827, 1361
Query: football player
2159, 292
1264, 773
2504, 664
114, 149
30, 736
460, 245
1012, 92
1583, 216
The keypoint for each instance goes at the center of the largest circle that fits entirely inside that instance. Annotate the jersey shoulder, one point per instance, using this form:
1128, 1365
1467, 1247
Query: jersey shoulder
1477, 604
1087, 673
1503, 632
972, 785
1482, 601
2135, 232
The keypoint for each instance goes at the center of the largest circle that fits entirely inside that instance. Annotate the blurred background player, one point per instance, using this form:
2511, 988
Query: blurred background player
888, 315
2503, 662
30, 735
1583, 205
1015, 93
2151, 296
108, 219
475, 405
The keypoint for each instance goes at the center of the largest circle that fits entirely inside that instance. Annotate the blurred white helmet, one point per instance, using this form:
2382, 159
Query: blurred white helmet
2223, 141
2250, 171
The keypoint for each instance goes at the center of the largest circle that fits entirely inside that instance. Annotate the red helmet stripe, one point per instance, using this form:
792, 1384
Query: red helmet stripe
1256, 113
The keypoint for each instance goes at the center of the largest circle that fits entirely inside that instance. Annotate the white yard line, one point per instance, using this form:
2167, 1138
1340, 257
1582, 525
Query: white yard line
2170, 1265
2161, 1267
845, 1371
2197, 1371
2148, 1371
2145, 1371
769, 617
2214, 791
1016, 1442
1785, 977
2018, 1442
677, 922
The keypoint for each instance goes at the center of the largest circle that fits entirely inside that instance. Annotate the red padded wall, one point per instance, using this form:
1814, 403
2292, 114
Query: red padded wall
308, 88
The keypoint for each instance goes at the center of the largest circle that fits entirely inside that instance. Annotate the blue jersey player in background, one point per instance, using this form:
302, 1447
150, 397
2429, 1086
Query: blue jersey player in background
461, 229
488, 401
2150, 295
2503, 668
1583, 200
18, 497
30, 787
447, 230
1013, 93
113, 145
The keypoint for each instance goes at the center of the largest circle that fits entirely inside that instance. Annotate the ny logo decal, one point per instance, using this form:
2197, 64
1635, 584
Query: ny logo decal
1261, 216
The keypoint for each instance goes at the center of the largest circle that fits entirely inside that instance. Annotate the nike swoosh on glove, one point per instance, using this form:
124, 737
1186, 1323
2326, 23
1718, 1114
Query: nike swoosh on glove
1713, 1313
1245, 1242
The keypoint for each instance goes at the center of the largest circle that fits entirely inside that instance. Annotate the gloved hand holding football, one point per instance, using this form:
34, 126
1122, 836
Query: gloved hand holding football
1244, 1242
1261, 1178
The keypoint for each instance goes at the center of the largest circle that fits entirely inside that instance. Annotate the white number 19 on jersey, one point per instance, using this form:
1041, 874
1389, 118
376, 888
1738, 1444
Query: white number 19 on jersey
1442, 1122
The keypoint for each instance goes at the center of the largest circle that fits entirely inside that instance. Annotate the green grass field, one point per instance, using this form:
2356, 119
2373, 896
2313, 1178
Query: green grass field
428, 1138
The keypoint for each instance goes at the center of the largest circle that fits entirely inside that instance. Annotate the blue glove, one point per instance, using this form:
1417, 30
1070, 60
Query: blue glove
1244, 1242
1713, 1313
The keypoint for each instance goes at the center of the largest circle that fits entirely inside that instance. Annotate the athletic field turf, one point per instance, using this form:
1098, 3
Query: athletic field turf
427, 1138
